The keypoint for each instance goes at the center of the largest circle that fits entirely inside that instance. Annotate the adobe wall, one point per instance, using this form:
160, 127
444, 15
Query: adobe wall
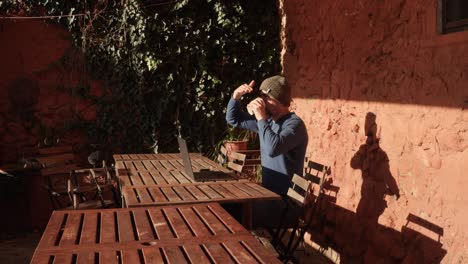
37, 80
39, 71
345, 59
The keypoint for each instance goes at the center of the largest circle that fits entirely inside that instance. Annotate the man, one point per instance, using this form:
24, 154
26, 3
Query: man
283, 135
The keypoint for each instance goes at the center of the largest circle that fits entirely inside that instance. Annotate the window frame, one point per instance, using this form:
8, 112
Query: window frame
444, 27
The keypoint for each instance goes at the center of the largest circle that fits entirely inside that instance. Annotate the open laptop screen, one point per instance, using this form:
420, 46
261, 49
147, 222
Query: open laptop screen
184, 154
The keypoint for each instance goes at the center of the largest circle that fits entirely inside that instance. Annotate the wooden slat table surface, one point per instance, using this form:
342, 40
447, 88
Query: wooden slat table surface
163, 181
197, 233
158, 156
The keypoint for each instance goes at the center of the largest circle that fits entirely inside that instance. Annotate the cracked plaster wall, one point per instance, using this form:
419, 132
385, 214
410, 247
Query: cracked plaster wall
346, 58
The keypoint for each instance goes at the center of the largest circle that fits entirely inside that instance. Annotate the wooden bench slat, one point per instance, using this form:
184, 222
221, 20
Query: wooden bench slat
160, 224
177, 223
170, 194
194, 222
108, 228
174, 255
89, 231
218, 253
239, 253
143, 225
213, 223
108, 257
70, 232
130, 256
125, 226
152, 255
195, 254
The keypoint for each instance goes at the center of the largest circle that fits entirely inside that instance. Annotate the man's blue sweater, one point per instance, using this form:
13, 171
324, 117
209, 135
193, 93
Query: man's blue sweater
283, 145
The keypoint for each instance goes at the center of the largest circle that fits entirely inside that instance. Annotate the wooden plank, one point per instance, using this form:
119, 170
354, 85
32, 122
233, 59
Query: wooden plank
85, 257
158, 196
177, 223
55, 150
194, 222
223, 191
208, 191
152, 255
160, 224
218, 253
108, 228
195, 254
89, 231
52, 230
295, 196
147, 178
130, 195
70, 233
108, 257
170, 194
183, 193
143, 225
228, 221
238, 192
130, 256
300, 182
174, 255
199, 195
143, 195
136, 179
63, 258
167, 165
238, 252
39, 258
125, 227
259, 188
244, 187
216, 227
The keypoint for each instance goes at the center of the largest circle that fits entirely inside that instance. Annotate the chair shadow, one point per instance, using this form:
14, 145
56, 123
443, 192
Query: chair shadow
357, 237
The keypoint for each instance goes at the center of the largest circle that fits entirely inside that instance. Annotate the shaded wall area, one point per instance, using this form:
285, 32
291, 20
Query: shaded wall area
39, 76
347, 60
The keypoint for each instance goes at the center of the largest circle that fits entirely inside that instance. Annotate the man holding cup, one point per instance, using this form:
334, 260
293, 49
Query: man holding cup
283, 135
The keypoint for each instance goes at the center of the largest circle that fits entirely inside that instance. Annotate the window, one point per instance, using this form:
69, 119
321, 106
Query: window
452, 16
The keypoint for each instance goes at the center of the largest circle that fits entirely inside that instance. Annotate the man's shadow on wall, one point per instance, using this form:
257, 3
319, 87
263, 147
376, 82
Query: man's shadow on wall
377, 180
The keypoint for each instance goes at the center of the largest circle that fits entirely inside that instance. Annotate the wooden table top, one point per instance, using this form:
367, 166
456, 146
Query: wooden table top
197, 233
160, 182
158, 156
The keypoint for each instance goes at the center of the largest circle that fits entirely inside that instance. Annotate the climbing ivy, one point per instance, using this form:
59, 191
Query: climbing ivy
169, 65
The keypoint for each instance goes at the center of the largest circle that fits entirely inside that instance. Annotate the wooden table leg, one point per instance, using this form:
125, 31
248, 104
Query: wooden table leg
247, 214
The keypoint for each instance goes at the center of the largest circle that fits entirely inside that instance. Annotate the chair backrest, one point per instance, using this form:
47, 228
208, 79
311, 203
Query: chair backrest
243, 158
56, 160
314, 175
222, 156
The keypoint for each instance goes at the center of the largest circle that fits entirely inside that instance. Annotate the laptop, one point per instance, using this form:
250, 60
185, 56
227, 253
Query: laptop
204, 174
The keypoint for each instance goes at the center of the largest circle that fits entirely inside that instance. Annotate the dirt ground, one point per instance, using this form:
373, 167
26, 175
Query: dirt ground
19, 249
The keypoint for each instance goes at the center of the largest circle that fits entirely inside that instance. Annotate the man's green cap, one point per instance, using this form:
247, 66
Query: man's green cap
277, 88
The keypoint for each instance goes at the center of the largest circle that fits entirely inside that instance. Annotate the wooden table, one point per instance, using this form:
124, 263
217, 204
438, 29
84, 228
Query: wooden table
162, 180
196, 233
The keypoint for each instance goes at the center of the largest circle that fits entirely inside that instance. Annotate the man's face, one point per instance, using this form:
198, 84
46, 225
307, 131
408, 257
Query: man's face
272, 106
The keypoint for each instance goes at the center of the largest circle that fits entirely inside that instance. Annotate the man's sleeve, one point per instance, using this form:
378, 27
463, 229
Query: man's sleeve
238, 118
275, 144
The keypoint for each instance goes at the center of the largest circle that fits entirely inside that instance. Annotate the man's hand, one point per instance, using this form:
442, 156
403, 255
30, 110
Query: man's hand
257, 106
243, 89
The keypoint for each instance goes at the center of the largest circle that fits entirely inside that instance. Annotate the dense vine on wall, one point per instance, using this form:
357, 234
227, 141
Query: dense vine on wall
168, 64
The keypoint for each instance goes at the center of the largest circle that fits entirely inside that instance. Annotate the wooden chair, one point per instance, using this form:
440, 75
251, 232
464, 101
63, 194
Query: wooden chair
244, 162
304, 196
55, 164
94, 182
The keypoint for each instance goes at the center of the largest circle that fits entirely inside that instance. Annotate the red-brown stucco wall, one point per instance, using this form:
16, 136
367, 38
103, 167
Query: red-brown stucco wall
36, 100
39, 71
345, 59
